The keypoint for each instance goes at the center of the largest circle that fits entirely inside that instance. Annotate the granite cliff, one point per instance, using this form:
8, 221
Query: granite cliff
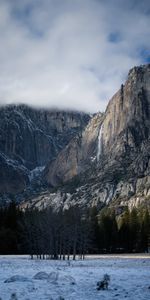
77, 156
109, 162
29, 139
122, 130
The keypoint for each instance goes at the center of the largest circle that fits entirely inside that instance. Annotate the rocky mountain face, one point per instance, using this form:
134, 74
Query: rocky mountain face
124, 128
109, 162
127, 118
13, 176
77, 156
98, 161
29, 139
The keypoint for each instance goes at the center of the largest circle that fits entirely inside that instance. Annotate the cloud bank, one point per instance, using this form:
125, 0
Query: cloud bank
70, 54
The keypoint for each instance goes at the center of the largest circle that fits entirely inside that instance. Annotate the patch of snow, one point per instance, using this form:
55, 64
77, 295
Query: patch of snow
36, 172
93, 158
67, 279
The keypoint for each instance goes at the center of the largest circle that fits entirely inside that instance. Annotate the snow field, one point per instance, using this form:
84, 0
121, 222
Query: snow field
75, 280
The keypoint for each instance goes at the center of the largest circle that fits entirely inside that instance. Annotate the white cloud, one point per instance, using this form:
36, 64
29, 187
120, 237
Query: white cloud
70, 54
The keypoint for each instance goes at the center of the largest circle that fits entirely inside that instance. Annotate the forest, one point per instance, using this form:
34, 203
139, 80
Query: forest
71, 233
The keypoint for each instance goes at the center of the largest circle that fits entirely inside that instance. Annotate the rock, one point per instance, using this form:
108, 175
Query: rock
53, 277
18, 278
76, 156
14, 177
41, 276
35, 136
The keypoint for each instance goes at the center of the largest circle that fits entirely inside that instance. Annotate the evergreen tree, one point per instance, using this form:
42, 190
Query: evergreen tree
124, 232
145, 232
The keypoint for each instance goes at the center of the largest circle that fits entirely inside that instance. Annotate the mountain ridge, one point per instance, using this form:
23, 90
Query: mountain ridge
123, 166
106, 161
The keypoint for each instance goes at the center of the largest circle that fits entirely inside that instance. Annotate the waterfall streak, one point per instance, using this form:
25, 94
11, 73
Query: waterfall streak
99, 146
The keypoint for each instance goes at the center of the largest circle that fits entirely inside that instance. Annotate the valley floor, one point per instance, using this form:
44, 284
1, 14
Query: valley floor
129, 278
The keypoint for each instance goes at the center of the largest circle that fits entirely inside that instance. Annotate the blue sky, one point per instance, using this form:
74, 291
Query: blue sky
70, 54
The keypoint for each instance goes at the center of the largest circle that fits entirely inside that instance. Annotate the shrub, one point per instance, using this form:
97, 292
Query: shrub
103, 284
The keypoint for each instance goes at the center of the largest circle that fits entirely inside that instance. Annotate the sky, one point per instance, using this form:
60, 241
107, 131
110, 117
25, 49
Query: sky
70, 54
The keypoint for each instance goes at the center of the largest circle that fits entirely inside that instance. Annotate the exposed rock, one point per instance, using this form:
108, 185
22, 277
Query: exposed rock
125, 128
18, 278
36, 136
127, 118
41, 276
141, 195
123, 167
29, 139
53, 277
77, 156
13, 177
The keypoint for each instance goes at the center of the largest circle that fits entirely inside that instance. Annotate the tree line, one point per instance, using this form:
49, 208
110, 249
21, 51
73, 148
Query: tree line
126, 233
65, 234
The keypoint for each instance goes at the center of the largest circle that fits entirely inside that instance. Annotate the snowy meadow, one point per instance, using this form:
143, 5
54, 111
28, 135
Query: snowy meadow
24, 279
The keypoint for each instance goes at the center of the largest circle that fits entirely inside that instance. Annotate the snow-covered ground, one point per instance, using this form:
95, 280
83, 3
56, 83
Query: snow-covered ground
130, 278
